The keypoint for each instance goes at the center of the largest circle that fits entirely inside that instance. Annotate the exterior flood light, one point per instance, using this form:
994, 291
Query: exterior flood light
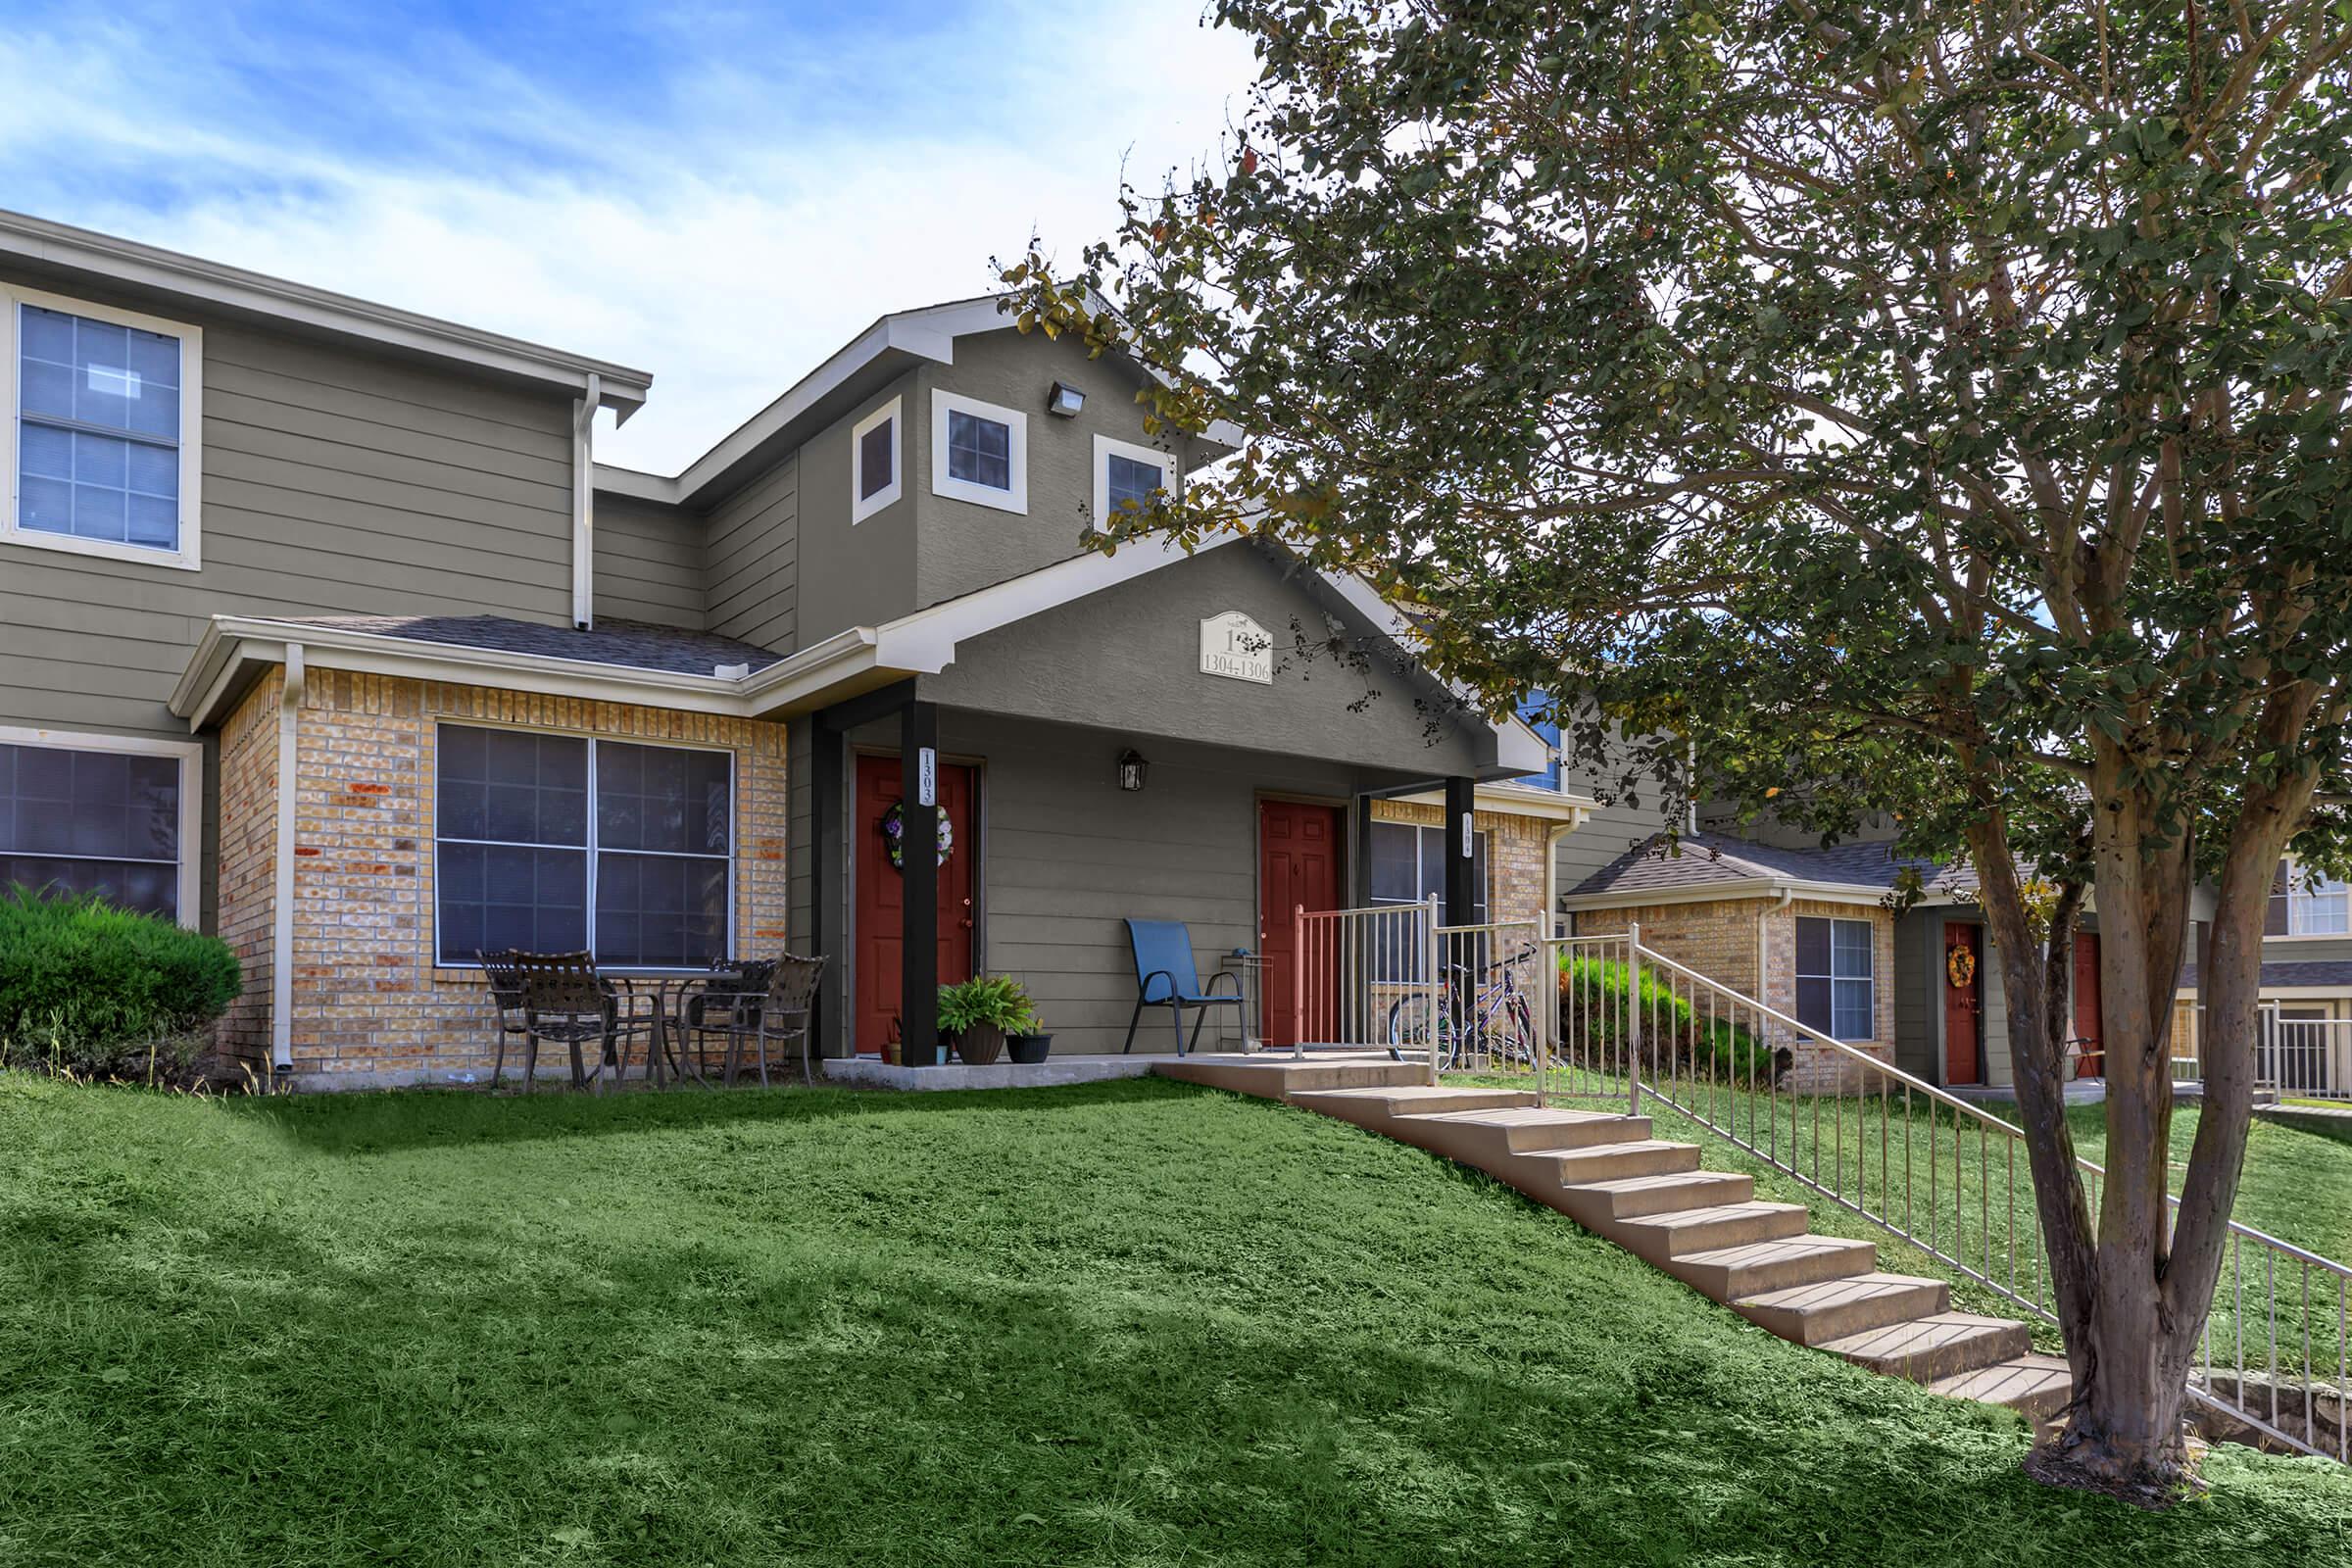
1064, 400
1133, 771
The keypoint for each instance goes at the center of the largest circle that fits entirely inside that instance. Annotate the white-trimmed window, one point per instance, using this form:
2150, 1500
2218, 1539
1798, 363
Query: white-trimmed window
1836, 977
110, 814
1127, 474
569, 844
99, 412
1407, 865
979, 451
875, 480
2317, 906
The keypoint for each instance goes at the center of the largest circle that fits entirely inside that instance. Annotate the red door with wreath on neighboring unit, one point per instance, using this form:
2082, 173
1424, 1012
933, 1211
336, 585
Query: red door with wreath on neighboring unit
1298, 867
880, 911
1963, 1004
2090, 1060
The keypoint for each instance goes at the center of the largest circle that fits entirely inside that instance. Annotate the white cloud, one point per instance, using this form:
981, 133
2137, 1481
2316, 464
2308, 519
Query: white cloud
727, 240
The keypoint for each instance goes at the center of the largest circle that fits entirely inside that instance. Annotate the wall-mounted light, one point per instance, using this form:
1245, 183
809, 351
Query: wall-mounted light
1064, 400
1134, 772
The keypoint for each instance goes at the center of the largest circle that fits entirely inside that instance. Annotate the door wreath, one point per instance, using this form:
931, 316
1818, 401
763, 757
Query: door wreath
1960, 965
893, 835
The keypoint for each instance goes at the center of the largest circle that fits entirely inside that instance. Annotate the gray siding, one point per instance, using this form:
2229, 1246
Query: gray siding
858, 574
752, 558
965, 545
2307, 950
1127, 661
1070, 857
649, 562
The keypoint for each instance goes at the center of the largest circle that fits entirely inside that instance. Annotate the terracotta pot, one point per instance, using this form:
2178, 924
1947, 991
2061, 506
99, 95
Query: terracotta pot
980, 1045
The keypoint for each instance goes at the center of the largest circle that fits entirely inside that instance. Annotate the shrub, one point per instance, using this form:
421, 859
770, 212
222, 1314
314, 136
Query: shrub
104, 992
1594, 994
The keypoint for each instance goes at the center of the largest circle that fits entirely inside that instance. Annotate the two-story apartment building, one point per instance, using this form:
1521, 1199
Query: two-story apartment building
326, 631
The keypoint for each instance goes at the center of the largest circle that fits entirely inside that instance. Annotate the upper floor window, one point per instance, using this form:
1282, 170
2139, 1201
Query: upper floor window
874, 462
2318, 906
101, 424
97, 813
979, 451
1836, 977
1127, 474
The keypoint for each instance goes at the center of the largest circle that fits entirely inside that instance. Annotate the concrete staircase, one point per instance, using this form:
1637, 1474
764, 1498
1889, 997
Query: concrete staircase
1707, 1229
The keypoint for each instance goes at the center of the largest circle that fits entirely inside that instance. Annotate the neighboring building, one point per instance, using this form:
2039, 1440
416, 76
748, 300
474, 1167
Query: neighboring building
326, 632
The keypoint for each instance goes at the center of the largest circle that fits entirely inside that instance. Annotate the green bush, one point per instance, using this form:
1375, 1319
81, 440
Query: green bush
1594, 993
103, 991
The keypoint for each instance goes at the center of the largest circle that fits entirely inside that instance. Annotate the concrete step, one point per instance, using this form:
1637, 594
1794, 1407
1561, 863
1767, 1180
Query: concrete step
1477, 1136
1282, 1077
1658, 1237
1675, 1192
1378, 1106
1728, 1273
2036, 1386
1942, 1344
1606, 1163
1831, 1309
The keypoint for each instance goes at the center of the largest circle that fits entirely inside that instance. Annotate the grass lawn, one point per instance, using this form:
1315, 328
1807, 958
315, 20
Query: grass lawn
1132, 1323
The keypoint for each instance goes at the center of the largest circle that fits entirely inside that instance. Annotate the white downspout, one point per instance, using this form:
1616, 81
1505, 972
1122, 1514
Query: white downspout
281, 905
1551, 876
583, 509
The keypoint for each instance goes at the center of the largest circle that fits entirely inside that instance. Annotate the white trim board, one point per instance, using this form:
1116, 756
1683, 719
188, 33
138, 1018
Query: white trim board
864, 507
190, 755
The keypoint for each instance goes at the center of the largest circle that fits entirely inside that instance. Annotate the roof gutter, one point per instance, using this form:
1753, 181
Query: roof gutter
583, 503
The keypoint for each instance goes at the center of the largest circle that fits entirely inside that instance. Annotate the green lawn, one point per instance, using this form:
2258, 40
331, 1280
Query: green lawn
1136, 1323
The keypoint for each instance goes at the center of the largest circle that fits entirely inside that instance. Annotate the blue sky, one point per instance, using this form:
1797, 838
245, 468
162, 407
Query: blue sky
718, 194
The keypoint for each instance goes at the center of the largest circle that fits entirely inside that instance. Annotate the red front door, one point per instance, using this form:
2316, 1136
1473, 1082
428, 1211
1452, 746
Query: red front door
2092, 1062
1297, 865
1963, 1002
880, 911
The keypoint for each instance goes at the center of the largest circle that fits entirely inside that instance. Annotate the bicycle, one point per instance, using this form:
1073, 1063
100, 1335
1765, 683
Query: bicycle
1510, 1045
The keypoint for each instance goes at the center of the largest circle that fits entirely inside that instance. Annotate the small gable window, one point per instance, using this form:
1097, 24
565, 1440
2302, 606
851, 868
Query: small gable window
979, 451
874, 462
1127, 476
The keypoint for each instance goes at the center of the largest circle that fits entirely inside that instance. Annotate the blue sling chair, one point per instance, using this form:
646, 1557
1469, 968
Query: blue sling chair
1167, 976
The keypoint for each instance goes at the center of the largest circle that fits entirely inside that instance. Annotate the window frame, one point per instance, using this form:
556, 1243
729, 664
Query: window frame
2300, 897
1798, 975
1014, 497
187, 554
592, 849
190, 756
1483, 841
863, 508
1108, 447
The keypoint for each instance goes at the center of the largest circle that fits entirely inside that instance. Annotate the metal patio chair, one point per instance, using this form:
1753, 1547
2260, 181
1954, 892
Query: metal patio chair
506, 1002
566, 1000
787, 1011
1167, 975
727, 1005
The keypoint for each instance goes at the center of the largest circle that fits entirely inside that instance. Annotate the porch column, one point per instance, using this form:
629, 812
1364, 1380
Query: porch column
918, 855
828, 932
1461, 848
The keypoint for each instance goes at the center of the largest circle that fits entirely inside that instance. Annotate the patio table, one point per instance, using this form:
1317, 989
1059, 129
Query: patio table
729, 987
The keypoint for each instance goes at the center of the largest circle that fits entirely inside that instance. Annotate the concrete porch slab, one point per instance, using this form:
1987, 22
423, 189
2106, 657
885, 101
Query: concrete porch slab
867, 1072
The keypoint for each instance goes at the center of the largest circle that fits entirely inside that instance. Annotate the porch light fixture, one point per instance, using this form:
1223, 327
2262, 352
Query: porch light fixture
1133, 770
1064, 400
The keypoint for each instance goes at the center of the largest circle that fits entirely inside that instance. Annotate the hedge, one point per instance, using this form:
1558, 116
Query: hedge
95, 990
1595, 990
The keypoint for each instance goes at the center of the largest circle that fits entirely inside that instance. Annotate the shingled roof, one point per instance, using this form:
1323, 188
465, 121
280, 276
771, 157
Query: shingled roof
1710, 859
633, 644
2308, 975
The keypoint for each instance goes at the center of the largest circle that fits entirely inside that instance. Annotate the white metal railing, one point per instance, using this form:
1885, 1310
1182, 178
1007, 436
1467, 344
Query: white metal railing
2303, 1058
1366, 978
1606, 1016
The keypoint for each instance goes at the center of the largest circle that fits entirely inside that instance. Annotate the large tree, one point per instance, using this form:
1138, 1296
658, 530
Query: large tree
1925, 408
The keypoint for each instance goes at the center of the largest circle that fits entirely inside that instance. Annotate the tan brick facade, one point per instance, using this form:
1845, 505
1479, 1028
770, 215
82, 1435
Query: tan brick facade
368, 1001
1517, 848
1724, 939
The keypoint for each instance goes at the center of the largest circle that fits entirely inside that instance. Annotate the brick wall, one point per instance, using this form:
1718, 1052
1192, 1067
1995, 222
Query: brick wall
1515, 853
1720, 939
370, 1002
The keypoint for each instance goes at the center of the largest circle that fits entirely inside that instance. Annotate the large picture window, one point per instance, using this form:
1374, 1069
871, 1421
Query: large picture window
114, 820
1837, 982
560, 843
101, 411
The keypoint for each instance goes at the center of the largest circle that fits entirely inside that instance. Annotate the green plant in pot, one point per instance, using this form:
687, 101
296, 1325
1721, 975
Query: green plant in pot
980, 1012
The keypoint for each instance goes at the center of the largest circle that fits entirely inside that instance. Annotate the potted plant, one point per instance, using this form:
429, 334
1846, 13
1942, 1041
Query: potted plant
1028, 1046
980, 1012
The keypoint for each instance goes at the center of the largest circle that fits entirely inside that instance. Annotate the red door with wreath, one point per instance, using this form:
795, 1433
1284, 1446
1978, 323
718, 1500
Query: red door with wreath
880, 910
1963, 1004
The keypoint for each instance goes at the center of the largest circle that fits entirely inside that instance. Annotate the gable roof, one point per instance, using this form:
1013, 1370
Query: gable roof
40, 246
885, 351
1664, 868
